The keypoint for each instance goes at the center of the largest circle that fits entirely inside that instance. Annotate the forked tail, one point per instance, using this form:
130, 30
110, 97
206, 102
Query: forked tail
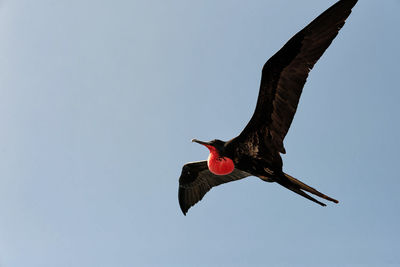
297, 186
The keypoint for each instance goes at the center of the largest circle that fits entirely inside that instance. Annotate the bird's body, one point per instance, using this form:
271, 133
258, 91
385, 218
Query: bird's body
256, 151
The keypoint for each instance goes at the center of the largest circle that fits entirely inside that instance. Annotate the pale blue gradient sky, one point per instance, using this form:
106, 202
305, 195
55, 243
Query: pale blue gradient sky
99, 101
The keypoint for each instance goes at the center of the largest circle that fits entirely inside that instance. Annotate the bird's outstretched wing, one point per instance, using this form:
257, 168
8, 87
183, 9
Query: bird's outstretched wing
285, 73
196, 180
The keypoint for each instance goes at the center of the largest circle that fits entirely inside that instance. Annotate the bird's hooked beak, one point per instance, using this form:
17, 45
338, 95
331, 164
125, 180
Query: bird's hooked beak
206, 144
201, 142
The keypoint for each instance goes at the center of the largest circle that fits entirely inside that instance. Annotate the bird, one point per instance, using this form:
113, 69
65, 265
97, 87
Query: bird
257, 150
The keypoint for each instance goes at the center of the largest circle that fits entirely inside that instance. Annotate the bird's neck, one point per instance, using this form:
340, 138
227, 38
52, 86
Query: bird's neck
219, 165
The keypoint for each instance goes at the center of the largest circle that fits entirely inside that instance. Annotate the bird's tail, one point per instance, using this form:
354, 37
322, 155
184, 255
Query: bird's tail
297, 186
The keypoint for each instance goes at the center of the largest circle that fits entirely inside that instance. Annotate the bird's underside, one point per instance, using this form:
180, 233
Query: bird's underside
256, 150
196, 180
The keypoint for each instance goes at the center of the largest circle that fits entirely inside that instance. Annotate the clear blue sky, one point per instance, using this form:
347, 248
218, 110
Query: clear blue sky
99, 101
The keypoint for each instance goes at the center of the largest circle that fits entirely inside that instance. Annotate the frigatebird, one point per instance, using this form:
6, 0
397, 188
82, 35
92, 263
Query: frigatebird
256, 150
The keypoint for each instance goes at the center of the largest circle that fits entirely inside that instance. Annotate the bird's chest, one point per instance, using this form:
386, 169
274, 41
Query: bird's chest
220, 165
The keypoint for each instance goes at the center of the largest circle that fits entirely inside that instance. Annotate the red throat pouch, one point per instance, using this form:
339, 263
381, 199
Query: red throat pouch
219, 165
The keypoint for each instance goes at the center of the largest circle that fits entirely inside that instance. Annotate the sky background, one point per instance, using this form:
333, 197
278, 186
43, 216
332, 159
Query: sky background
99, 101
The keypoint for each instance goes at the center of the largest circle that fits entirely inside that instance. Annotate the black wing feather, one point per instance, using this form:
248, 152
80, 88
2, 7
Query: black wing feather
196, 180
285, 73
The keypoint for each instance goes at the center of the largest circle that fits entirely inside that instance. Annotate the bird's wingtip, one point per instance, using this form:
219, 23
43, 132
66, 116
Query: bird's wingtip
184, 212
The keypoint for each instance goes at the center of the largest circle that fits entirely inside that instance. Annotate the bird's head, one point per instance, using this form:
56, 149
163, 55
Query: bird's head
217, 162
215, 146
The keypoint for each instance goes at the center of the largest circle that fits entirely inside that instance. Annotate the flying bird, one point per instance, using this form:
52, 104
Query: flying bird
256, 150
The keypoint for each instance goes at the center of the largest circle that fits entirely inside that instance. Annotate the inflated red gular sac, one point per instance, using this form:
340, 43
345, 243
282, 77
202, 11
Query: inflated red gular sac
216, 163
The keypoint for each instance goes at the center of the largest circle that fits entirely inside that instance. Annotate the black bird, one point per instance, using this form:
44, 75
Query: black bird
256, 151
